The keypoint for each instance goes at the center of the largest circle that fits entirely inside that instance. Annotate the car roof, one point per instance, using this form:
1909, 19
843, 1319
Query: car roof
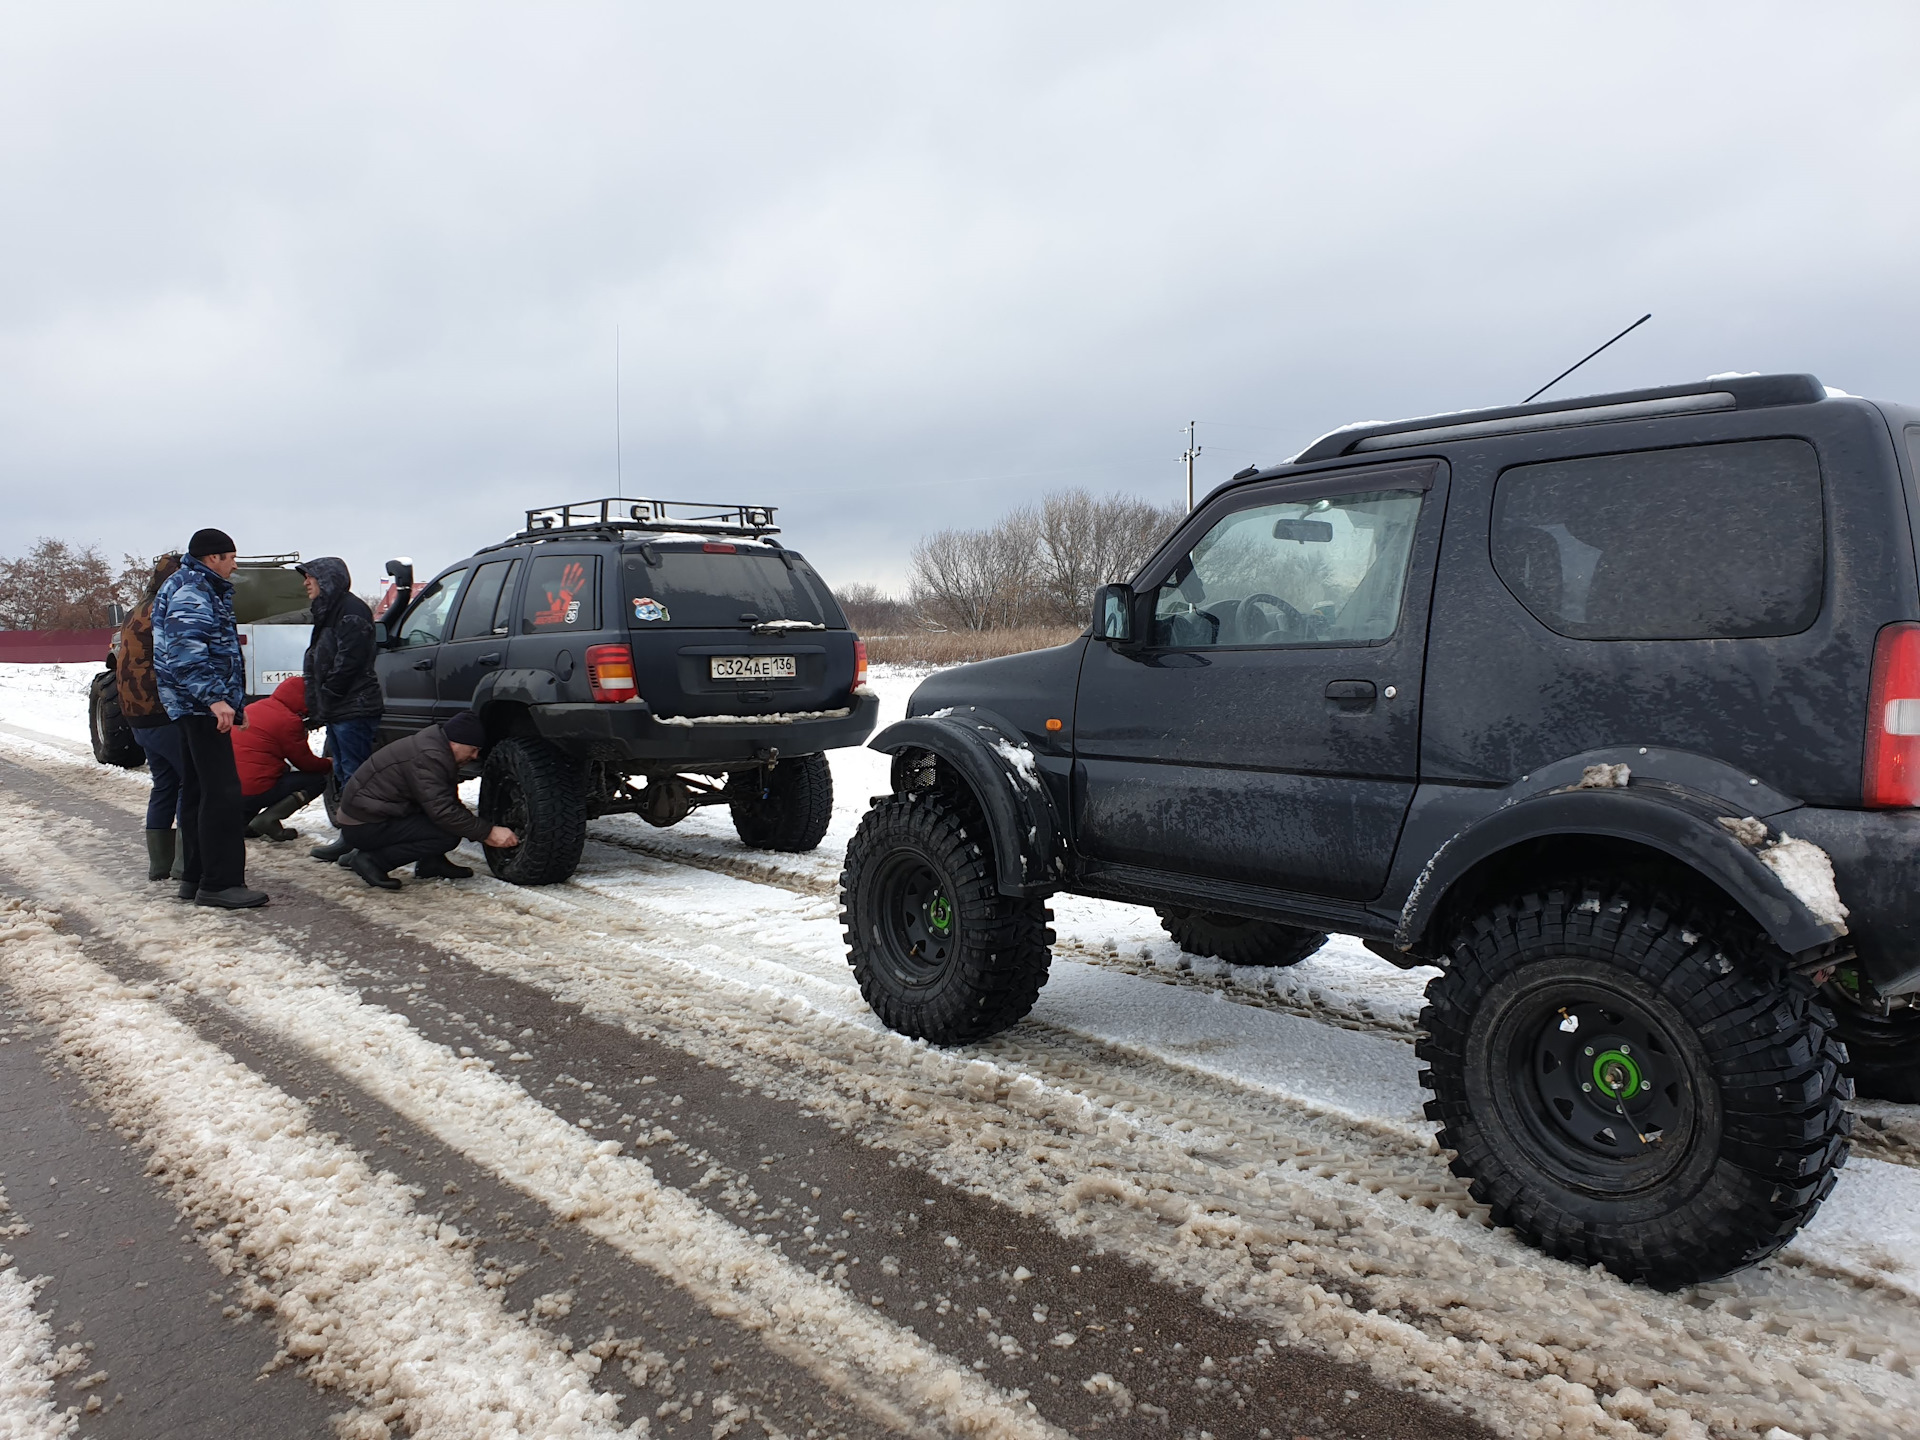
1716, 393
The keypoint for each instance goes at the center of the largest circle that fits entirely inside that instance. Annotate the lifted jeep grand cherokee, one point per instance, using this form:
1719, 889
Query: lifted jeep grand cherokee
665, 642
1588, 703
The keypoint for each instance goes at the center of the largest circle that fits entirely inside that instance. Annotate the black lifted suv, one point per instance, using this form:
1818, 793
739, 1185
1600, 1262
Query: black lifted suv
643, 656
1609, 708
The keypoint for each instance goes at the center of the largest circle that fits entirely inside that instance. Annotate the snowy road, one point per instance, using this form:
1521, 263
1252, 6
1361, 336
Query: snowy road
476, 1160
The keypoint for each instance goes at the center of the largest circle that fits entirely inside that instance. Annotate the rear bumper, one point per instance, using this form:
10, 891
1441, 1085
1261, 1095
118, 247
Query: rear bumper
1876, 862
632, 730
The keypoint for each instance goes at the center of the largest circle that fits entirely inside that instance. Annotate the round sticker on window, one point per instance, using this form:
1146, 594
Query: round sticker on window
647, 608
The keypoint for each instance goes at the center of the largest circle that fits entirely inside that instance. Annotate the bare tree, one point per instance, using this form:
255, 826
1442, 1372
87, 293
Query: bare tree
979, 579
872, 611
1088, 541
1037, 566
57, 586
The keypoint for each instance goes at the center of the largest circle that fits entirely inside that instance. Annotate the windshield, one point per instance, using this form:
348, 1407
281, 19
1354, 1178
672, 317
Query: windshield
710, 587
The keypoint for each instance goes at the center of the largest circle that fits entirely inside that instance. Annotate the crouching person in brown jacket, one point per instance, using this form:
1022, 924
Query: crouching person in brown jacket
403, 805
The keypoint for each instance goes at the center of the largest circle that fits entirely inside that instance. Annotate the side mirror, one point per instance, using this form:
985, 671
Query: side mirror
1113, 614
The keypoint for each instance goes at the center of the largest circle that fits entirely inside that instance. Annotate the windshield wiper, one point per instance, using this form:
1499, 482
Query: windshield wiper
775, 627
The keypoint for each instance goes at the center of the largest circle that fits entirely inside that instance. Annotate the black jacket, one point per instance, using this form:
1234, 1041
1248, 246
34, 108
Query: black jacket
341, 683
416, 775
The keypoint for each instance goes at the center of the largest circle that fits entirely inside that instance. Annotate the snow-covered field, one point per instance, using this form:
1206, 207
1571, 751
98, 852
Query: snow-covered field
1255, 1133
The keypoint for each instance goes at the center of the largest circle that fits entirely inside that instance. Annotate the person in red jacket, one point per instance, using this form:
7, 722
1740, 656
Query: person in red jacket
279, 773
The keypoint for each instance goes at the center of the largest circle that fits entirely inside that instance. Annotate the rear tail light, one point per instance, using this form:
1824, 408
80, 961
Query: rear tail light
859, 662
1891, 774
610, 673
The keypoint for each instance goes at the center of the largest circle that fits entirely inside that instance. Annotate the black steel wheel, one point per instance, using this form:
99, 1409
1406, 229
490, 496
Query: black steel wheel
1635, 1083
113, 742
787, 806
1240, 941
536, 792
939, 952
1883, 1051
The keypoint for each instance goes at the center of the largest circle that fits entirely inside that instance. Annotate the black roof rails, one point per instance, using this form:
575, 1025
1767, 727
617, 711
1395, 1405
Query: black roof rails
616, 513
1726, 392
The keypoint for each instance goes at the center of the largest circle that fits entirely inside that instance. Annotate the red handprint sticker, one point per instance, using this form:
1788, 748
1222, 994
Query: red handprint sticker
562, 606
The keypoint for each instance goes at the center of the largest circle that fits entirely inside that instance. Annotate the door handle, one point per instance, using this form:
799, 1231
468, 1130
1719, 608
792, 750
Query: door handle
1350, 690
493, 659
426, 664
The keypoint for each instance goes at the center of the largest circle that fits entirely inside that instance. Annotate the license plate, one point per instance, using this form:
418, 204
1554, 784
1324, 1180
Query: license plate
753, 667
271, 678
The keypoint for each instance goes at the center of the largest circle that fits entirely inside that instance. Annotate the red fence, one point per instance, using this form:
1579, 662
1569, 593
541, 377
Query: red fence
45, 647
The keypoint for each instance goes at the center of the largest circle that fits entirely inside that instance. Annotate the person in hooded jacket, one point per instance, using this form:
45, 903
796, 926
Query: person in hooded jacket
343, 692
203, 683
153, 731
279, 773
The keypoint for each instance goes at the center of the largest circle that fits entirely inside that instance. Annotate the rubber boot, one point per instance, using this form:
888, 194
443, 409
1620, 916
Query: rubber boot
179, 866
335, 851
160, 848
266, 825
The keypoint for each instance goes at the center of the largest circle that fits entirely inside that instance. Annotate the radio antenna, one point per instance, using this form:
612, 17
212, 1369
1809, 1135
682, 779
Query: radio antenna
1583, 360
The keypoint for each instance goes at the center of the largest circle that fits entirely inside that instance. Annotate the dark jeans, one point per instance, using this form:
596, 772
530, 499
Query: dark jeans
393, 843
293, 782
213, 821
162, 744
352, 744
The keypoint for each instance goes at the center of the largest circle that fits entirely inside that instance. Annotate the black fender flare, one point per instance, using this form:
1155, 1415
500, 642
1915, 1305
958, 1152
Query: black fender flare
517, 687
981, 748
1680, 823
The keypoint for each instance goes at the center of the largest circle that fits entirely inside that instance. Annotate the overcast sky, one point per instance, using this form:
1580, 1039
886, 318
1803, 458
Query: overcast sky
346, 279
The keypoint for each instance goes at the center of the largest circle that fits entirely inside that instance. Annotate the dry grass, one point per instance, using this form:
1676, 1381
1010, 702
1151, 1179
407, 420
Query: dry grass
957, 647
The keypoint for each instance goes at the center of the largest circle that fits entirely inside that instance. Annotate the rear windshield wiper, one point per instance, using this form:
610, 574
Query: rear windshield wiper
775, 627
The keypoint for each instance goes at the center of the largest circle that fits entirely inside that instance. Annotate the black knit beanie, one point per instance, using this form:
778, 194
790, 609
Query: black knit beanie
464, 728
210, 542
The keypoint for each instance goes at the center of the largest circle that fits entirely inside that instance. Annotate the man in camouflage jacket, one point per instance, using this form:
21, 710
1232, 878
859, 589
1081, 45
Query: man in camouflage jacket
203, 684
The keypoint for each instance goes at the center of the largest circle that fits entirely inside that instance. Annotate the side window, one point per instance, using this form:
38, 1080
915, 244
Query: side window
478, 610
426, 620
1709, 542
563, 595
1297, 572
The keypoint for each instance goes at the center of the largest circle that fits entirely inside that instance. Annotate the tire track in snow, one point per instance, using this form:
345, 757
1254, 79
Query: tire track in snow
371, 1296
900, 1380
28, 1364
1436, 1290
1479, 1313
820, 879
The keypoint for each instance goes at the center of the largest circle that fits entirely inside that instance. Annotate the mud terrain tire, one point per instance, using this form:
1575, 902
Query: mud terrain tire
940, 954
536, 792
787, 807
1883, 1051
113, 742
1238, 941
1728, 1059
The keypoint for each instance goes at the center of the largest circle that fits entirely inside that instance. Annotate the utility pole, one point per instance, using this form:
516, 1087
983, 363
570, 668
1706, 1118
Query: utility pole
619, 468
1189, 455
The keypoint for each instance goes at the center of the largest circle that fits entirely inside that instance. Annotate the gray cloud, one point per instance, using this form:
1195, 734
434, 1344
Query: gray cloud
347, 279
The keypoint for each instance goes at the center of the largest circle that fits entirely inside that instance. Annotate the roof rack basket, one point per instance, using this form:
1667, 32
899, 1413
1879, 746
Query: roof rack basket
700, 517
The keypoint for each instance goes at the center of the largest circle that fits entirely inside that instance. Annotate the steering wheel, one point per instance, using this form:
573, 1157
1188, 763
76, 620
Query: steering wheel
1291, 621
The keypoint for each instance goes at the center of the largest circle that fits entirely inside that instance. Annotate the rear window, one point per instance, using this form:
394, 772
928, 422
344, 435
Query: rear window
710, 587
563, 595
1704, 543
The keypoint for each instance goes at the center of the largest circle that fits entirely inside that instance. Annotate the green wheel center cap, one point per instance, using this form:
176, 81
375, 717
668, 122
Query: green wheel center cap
1616, 1074
939, 915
